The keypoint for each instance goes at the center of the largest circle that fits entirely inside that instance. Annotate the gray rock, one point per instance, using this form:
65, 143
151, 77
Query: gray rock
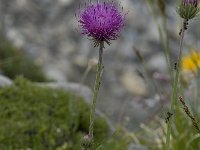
78, 89
55, 74
65, 2
136, 147
59, 71
134, 83
157, 63
5, 81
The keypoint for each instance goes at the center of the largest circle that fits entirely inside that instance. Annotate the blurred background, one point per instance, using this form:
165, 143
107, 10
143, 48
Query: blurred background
46, 32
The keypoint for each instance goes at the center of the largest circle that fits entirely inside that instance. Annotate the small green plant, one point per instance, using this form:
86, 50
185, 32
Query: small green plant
102, 22
187, 10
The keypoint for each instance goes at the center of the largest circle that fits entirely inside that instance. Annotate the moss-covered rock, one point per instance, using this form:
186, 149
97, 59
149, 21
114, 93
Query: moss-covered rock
14, 62
43, 119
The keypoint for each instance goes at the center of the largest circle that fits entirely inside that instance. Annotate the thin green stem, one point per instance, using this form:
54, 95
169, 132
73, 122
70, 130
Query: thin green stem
96, 88
175, 86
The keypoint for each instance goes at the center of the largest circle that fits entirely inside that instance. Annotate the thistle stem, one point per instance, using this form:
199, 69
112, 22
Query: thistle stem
175, 84
96, 87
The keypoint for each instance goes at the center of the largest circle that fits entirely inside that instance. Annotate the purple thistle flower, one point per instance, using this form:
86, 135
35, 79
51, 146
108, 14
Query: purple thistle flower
102, 21
190, 2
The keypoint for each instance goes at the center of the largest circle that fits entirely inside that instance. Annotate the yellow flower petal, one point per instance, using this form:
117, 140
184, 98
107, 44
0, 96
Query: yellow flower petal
195, 55
188, 64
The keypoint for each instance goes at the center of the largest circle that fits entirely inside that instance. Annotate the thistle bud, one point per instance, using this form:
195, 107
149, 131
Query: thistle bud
188, 9
87, 142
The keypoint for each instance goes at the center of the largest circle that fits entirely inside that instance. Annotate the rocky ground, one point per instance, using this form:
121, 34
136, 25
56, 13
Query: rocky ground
47, 31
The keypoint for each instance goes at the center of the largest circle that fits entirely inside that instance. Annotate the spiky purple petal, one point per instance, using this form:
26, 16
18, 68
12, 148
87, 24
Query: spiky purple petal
190, 2
101, 21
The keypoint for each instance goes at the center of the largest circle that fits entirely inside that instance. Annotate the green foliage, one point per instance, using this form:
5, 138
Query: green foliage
40, 118
119, 141
183, 134
13, 62
187, 138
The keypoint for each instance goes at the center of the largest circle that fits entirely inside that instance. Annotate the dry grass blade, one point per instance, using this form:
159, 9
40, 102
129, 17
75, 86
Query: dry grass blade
189, 114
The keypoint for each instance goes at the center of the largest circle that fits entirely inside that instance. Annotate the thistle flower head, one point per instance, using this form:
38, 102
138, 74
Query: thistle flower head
87, 142
102, 21
188, 9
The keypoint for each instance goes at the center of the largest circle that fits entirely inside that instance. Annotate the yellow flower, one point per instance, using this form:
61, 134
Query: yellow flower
195, 57
191, 62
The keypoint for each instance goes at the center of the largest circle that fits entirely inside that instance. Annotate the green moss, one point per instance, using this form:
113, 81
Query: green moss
13, 63
40, 118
